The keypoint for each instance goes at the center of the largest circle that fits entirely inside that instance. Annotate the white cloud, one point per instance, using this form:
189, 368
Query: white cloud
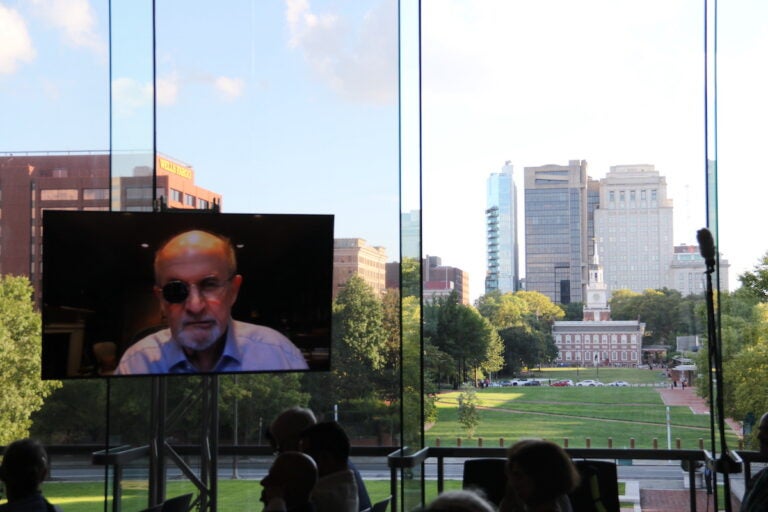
15, 43
129, 95
167, 90
356, 60
77, 21
229, 88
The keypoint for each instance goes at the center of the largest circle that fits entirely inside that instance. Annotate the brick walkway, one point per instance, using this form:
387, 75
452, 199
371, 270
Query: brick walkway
688, 397
656, 500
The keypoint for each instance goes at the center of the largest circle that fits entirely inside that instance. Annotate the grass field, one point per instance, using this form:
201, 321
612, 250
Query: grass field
234, 495
575, 413
631, 375
509, 413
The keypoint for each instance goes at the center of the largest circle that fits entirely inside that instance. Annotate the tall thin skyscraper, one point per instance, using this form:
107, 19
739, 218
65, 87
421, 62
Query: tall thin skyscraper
559, 205
503, 271
633, 227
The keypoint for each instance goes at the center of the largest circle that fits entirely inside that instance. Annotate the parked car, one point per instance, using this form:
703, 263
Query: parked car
589, 382
531, 382
618, 384
562, 383
516, 382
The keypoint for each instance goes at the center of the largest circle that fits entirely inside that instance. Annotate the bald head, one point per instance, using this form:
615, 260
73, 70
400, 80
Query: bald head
286, 429
194, 244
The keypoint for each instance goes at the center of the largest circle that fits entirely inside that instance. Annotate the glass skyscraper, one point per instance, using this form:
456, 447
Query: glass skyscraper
501, 232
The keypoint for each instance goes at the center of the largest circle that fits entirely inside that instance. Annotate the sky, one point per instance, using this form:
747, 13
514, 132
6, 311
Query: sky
294, 106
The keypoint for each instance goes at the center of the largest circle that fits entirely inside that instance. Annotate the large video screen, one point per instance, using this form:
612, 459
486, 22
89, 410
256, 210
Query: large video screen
180, 292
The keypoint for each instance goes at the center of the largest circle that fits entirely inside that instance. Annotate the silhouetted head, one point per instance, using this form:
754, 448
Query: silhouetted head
285, 431
24, 467
539, 471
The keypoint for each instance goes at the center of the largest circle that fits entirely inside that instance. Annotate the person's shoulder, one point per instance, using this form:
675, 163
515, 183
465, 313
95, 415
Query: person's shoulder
139, 356
269, 346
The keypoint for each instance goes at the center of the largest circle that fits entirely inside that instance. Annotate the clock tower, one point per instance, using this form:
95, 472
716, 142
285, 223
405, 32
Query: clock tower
596, 304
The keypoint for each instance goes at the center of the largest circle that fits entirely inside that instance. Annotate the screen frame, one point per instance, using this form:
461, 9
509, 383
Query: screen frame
98, 279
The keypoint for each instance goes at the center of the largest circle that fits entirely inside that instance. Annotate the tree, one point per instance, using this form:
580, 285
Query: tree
756, 281
745, 375
260, 398
541, 307
462, 333
468, 415
502, 310
23, 392
573, 311
410, 272
662, 312
359, 350
525, 346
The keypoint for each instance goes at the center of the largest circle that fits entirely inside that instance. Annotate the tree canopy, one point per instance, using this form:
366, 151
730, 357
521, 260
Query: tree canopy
459, 331
523, 321
23, 391
756, 281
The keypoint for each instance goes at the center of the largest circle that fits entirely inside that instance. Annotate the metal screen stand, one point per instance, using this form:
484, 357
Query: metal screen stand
206, 482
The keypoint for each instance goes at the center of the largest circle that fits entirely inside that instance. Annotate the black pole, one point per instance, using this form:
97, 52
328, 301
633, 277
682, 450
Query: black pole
725, 464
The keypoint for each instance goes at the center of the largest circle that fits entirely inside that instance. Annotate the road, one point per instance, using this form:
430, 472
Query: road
650, 474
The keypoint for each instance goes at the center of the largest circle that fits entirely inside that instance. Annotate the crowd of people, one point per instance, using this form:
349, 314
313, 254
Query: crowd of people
312, 472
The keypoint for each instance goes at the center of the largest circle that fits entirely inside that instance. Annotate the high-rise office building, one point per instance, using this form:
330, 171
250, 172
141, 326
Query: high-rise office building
503, 271
559, 205
31, 183
633, 227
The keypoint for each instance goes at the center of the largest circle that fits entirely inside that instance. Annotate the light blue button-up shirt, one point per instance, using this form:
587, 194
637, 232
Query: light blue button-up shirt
248, 348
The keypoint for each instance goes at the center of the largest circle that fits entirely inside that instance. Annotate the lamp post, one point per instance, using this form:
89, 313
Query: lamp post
597, 368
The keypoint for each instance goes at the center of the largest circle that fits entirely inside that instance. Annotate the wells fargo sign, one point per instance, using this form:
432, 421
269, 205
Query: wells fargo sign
173, 167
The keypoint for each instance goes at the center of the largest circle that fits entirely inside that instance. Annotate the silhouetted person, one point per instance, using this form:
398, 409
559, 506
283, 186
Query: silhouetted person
284, 434
289, 483
756, 495
540, 475
285, 431
336, 489
23, 470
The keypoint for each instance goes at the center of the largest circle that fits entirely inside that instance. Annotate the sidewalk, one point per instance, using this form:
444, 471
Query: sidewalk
657, 500
661, 500
688, 397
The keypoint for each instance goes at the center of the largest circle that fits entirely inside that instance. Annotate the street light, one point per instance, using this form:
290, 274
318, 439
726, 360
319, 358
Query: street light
597, 368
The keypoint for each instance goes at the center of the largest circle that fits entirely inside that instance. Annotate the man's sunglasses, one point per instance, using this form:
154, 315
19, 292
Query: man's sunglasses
177, 291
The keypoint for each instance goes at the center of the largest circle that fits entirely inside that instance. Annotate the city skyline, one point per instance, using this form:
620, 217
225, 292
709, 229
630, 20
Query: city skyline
298, 101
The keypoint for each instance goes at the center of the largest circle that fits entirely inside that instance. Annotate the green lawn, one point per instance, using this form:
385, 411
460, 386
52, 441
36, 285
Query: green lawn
631, 375
234, 495
575, 413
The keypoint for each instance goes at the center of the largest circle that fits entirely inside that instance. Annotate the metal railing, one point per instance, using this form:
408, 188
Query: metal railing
398, 460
